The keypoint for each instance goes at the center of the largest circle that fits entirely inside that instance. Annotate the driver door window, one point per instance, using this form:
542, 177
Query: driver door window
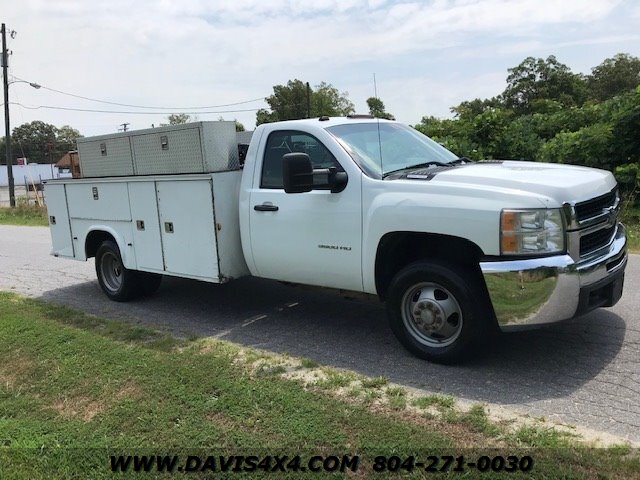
290, 141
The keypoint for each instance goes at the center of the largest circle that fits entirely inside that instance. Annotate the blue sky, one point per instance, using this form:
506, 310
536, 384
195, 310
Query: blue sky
427, 55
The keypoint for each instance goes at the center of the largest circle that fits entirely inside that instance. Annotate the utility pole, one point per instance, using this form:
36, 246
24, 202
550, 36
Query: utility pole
7, 127
308, 101
124, 126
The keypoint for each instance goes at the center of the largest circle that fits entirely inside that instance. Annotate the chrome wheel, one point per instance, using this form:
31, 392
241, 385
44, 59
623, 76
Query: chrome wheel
431, 314
112, 271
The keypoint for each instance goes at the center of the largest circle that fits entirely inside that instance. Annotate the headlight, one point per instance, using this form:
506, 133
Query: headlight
531, 232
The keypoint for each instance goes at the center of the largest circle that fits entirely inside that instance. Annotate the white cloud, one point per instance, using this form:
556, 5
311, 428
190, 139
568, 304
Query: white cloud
599, 40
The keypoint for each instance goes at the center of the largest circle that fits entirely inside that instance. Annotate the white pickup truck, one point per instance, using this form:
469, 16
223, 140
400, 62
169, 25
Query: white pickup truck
457, 249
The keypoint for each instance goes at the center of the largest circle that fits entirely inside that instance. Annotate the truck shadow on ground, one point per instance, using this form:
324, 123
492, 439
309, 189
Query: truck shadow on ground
516, 368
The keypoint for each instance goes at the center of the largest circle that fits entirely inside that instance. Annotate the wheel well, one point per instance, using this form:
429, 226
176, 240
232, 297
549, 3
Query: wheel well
398, 249
94, 240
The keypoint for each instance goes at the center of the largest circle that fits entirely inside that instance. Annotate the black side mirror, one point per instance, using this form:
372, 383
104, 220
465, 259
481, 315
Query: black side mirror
297, 173
337, 180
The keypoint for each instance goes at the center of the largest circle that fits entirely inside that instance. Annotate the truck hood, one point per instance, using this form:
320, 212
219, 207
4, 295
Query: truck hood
563, 183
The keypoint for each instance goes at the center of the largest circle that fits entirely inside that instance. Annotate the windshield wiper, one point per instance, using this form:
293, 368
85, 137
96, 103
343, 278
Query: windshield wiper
419, 165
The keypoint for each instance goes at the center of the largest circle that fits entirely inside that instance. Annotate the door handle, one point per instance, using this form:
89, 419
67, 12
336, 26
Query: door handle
265, 207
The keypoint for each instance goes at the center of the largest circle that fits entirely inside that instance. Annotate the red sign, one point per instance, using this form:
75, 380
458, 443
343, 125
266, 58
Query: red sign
21, 161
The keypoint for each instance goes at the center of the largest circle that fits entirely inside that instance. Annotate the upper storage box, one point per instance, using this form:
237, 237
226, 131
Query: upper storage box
199, 147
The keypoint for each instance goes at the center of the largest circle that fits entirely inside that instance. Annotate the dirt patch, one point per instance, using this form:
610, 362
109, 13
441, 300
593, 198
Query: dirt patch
461, 434
129, 391
220, 420
86, 408
13, 369
588, 436
79, 407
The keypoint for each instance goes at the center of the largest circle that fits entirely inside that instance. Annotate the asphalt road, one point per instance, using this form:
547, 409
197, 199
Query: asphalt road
585, 371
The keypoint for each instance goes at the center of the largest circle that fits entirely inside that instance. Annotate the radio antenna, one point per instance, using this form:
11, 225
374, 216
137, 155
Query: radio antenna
375, 86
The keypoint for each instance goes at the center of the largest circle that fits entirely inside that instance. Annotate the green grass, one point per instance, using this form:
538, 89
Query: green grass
397, 397
308, 363
336, 380
24, 214
375, 382
442, 402
74, 387
478, 420
631, 219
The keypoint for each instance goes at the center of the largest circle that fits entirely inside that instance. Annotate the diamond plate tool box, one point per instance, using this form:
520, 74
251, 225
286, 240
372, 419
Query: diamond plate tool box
198, 147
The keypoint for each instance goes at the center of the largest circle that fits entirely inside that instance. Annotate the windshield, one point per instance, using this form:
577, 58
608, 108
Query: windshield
380, 148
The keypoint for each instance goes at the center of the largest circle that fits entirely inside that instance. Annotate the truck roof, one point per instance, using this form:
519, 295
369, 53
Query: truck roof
324, 122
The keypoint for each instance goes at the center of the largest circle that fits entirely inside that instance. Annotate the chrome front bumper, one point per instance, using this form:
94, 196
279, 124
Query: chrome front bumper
544, 290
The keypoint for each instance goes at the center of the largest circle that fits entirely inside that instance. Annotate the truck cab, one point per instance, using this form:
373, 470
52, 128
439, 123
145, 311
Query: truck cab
502, 245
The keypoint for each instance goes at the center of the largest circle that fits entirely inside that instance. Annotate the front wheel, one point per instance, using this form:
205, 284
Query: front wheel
436, 310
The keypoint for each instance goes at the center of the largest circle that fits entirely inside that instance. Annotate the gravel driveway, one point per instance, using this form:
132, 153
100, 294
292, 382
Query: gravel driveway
584, 372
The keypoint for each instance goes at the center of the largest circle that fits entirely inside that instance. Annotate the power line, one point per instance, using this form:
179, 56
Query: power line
53, 107
143, 106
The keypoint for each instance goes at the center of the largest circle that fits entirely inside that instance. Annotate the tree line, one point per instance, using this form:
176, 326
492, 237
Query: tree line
549, 113
40, 142
297, 99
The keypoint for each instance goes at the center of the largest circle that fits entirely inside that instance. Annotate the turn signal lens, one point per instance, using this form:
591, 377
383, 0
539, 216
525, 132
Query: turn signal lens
509, 243
509, 221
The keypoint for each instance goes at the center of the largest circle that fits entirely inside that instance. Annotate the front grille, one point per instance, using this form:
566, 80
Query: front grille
595, 240
595, 206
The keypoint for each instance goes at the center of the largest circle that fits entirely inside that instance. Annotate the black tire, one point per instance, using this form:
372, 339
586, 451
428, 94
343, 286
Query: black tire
438, 311
117, 282
148, 283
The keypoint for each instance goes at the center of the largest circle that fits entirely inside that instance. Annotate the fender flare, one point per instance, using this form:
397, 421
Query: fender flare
128, 258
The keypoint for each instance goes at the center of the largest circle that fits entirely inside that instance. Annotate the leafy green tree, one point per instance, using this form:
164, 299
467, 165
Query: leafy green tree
239, 126
624, 114
614, 76
548, 125
377, 109
539, 79
435, 127
543, 115
35, 140
519, 139
265, 116
590, 146
66, 137
628, 176
40, 142
452, 134
470, 108
327, 100
289, 102
178, 119
487, 130
473, 136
